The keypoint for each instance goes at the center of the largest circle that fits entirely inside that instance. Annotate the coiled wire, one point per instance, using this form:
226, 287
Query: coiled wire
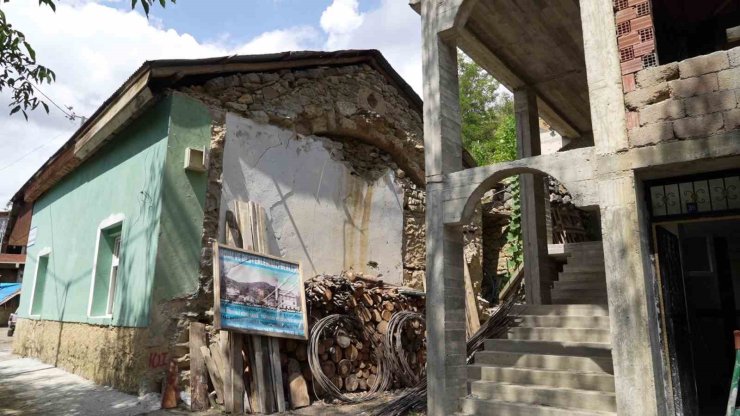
349, 323
395, 353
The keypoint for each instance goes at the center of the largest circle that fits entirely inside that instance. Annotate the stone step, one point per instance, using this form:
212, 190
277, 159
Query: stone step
561, 310
598, 322
542, 395
595, 364
560, 334
580, 284
553, 378
482, 407
576, 349
581, 276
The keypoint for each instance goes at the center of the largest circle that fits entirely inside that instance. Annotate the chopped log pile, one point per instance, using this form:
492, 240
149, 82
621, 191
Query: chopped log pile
345, 356
345, 352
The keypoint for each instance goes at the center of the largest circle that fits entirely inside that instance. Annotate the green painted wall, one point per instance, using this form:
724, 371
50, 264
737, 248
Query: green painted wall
125, 178
183, 200
141, 176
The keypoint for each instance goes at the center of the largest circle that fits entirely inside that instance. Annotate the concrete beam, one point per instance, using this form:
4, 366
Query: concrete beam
574, 168
537, 269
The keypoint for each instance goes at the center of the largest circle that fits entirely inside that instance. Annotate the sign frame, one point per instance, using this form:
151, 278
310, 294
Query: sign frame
217, 247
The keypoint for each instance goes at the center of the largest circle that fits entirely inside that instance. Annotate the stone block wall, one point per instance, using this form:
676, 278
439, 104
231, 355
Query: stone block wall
694, 98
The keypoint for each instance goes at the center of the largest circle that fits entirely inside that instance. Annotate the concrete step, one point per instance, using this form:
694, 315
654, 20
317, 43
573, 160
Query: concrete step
560, 334
576, 349
578, 293
598, 322
530, 376
580, 284
561, 310
482, 407
595, 364
583, 268
542, 395
574, 299
581, 276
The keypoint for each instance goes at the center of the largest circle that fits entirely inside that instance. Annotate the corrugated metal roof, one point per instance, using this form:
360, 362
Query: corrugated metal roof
8, 291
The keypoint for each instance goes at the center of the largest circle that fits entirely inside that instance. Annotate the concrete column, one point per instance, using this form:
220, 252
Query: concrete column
624, 252
537, 270
446, 377
604, 76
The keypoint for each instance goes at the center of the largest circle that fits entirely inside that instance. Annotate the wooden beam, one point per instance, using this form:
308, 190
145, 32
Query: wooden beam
471, 306
198, 370
214, 371
120, 112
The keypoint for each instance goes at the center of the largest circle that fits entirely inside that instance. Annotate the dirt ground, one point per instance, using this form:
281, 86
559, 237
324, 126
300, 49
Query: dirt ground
30, 387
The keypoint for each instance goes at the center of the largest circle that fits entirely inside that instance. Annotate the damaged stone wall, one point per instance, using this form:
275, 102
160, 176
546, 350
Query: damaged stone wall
352, 105
113, 356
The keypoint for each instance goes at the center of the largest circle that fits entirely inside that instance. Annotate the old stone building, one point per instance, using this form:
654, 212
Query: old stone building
124, 214
645, 94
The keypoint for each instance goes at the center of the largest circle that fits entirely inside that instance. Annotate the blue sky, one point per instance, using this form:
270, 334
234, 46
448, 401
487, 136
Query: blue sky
94, 45
241, 20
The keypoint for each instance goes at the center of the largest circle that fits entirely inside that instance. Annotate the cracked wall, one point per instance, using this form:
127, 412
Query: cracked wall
370, 127
325, 211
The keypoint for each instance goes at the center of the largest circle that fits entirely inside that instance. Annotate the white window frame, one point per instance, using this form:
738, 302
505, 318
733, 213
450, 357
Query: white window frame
44, 252
110, 222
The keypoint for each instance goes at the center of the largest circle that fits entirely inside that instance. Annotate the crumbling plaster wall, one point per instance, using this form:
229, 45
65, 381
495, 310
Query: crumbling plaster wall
353, 105
321, 211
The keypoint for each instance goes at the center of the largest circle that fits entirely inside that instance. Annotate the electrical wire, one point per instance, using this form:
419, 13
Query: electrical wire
71, 116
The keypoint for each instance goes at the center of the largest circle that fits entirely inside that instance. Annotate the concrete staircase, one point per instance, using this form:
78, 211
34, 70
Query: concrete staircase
557, 360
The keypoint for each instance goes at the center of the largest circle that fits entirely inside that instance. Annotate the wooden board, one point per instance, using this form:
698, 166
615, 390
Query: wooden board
214, 372
198, 370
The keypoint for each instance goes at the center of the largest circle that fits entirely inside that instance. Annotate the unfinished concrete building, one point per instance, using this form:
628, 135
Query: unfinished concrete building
645, 93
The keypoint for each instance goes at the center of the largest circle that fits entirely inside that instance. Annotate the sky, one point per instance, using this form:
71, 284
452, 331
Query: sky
95, 45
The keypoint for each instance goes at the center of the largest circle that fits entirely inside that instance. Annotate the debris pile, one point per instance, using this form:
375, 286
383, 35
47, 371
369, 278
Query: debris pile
351, 355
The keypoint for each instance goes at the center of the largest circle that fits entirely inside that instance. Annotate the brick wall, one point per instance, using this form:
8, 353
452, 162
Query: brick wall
635, 38
694, 98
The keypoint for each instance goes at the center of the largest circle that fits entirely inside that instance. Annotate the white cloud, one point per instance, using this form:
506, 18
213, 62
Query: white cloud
291, 39
93, 49
340, 18
393, 28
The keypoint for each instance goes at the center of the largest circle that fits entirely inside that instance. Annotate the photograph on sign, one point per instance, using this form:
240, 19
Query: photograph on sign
258, 294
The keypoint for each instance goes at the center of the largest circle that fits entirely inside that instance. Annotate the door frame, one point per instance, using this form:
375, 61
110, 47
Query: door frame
663, 336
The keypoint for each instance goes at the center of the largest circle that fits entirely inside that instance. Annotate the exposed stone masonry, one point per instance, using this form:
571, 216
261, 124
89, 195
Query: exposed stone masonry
372, 126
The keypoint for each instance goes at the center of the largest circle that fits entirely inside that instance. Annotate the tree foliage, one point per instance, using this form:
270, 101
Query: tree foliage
19, 71
488, 126
489, 134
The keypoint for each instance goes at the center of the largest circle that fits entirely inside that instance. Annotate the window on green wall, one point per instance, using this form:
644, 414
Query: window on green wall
106, 271
39, 282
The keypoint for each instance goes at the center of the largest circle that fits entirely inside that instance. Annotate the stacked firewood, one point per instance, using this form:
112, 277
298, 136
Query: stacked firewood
347, 357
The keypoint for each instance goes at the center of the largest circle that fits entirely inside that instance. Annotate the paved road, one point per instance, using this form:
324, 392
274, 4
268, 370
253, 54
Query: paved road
30, 387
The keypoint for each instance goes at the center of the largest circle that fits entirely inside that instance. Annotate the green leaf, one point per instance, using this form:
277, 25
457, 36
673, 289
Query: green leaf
30, 50
15, 110
46, 107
